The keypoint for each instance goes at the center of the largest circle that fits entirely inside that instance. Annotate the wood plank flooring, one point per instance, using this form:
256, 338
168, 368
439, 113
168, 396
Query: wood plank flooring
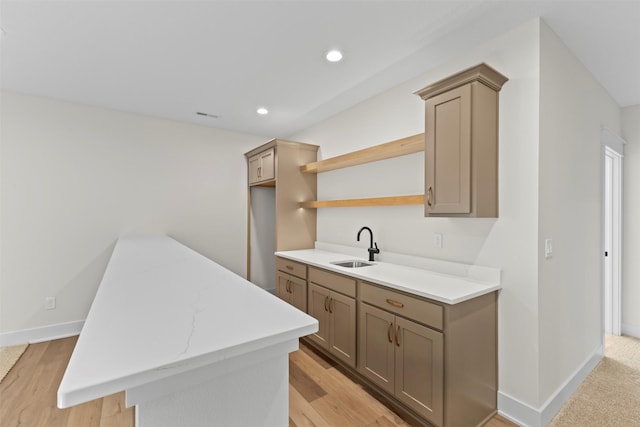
28, 393
319, 395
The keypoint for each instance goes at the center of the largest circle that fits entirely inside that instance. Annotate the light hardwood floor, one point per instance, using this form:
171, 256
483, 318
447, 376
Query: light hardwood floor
319, 395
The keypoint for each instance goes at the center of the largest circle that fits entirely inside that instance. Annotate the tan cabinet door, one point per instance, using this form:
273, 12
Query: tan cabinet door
419, 369
376, 333
298, 292
448, 152
292, 290
342, 328
318, 307
262, 167
268, 166
254, 169
282, 287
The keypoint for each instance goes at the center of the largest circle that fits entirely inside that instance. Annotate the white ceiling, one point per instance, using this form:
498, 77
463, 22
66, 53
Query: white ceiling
171, 59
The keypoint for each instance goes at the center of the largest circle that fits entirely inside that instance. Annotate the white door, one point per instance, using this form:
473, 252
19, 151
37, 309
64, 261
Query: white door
612, 240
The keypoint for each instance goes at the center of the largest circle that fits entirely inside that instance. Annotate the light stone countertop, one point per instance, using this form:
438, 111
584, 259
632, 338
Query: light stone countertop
161, 310
438, 286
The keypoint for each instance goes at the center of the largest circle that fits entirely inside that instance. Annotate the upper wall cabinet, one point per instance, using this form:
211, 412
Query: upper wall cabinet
461, 150
262, 167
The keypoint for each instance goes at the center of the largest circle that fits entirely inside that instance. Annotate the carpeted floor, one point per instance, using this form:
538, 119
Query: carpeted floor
8, 357
610, 395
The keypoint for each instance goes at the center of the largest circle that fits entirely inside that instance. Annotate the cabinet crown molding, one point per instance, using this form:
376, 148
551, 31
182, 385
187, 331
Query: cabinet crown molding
275, 142
481, 73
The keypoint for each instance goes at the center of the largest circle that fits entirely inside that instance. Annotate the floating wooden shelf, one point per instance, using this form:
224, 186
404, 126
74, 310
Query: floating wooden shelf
399, 147
417, 199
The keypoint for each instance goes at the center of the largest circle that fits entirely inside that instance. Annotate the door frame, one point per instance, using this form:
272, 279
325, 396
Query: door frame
613, 148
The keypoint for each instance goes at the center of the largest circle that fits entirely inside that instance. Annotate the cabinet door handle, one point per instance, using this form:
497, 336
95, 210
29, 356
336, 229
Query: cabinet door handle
398, 335
395, 303
430, 196
389, 332
260, 173
326, 300
287, 286
330, 302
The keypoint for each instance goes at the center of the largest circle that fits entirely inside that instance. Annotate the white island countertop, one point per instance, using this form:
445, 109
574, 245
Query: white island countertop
438, 286
163, 310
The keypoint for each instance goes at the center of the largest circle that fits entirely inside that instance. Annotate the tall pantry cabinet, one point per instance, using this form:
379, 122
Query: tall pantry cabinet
275, 221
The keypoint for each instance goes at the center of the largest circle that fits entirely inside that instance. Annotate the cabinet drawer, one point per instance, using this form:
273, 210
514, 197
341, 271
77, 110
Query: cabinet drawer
291, 267
336, 282
410, 307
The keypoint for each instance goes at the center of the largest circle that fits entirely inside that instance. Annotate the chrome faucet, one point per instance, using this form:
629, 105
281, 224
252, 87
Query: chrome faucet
373, 247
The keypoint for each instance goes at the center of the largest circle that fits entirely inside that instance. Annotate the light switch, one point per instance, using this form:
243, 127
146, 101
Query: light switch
437, 240
548, 248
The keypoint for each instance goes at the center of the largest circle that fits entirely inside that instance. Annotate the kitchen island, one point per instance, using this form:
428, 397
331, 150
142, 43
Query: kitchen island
190, 342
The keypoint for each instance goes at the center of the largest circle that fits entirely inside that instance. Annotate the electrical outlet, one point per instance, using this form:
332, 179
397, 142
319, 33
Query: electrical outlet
49, 303
437, 240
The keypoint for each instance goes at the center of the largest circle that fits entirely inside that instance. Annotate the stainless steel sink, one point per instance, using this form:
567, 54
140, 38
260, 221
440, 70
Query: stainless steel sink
352, 263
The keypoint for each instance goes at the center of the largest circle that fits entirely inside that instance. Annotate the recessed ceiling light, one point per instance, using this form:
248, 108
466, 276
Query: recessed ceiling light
334, 55
262, 111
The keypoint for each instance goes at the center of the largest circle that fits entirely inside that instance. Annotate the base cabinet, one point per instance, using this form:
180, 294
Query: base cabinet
331, 300
377, 350
336, 315
404, 358
318, 301
292, 289
434, 363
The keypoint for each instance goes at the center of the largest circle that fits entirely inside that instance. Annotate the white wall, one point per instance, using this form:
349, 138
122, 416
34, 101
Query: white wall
573, 108
509, 243
631, 224
551, 112
74, 178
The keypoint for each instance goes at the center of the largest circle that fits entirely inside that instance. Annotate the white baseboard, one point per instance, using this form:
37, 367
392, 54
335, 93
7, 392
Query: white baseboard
44, 333
517, 411
528, 416
631, 330
553, 405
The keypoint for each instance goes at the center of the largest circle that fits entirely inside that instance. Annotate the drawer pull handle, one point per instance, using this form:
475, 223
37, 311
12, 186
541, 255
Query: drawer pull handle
389, 333
395, 303
398, 335
289, 267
